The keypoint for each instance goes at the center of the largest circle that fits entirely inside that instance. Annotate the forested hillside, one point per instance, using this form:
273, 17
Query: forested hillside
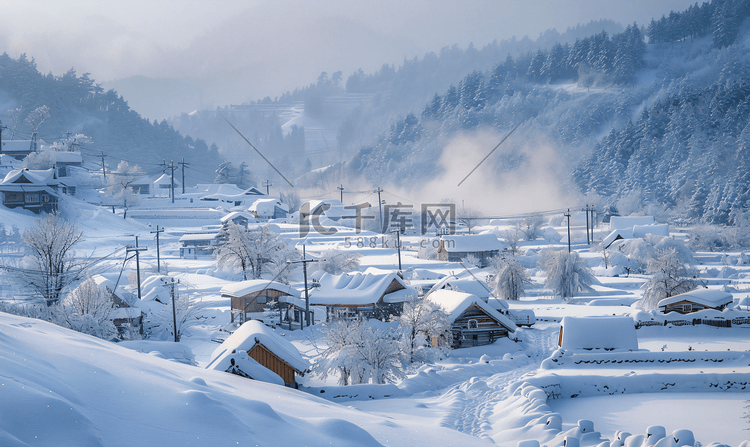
77, 104
655, 115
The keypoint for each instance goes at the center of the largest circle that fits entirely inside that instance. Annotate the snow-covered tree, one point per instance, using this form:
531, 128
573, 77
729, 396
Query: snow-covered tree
510, 278
337, 262
255, 251
422, 323
670, 276
531, 227
87, 309
50, 262
36, 118
119, 185
567, 273
361, 353
160, 323
513, 237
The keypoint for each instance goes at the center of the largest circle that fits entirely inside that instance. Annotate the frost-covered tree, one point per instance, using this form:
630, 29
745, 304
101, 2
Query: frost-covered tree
36, 118
254, 251
160, 322
87, 309
337, 262
360, 353
513, 237
669, 277
567, 273
51, 265
531, 226
119, 185
425, 328
510, 278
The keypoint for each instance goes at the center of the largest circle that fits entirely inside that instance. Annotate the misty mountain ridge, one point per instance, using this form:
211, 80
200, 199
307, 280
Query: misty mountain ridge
78, 105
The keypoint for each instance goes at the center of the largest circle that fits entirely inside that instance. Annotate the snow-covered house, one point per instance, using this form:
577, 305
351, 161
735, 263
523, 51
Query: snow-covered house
454, 248
18, 149
206, 193
252, 295
238, 218
473, 322
467, 285
255, 351
35, 190
593, 333
372, 294
269, 208
636, 231
163, 186
330, 208
695, 300
622, 222
123, 313
193, 245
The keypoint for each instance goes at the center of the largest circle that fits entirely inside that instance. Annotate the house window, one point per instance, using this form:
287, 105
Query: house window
687, 308
32, 197
473, 324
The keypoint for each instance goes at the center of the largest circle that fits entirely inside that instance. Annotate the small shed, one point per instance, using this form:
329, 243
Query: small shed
257, 352
163, 185
598, 333
473, 322
695, 300
192, 245
454, 248
376, 295
253, 295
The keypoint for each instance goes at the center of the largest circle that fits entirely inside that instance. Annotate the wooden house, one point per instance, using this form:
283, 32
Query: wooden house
695, 300
257, 352
193, 245
237, 218
372, 294
473, 322
467, 285
253, 295
34, 190
18, 149
454, 248
269, 208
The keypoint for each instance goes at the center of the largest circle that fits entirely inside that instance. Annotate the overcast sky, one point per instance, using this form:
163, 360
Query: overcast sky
245, 49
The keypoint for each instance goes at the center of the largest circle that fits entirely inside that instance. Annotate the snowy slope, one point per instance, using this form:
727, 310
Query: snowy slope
58, 387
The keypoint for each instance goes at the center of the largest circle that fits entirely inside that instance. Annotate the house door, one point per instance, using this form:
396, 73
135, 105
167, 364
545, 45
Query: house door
475, 339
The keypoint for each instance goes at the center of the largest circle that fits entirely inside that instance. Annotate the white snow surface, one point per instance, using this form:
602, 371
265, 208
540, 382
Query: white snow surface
599, 333
62, 388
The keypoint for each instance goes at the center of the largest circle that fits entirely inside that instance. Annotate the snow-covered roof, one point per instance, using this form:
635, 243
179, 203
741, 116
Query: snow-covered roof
620, 222
455, 303
67, 157
471, 243
17, 145
29, 176
657, 229
622, 233
334, 212
165, 179
598, 333
470, 285
704, 297
243, 288
359, 289
199, 237
246, 336
234, 214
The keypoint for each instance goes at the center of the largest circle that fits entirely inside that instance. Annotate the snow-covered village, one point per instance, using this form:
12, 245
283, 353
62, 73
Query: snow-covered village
462, 224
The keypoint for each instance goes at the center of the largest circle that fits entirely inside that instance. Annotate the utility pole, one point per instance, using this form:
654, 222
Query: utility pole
592, 223
380, 207
341, 190
172, 168
304, 262
104, 172
1, 137
137, 250
588, 241
183, 175
170, 282
398, 246
568, 216
158, 260
268, 184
